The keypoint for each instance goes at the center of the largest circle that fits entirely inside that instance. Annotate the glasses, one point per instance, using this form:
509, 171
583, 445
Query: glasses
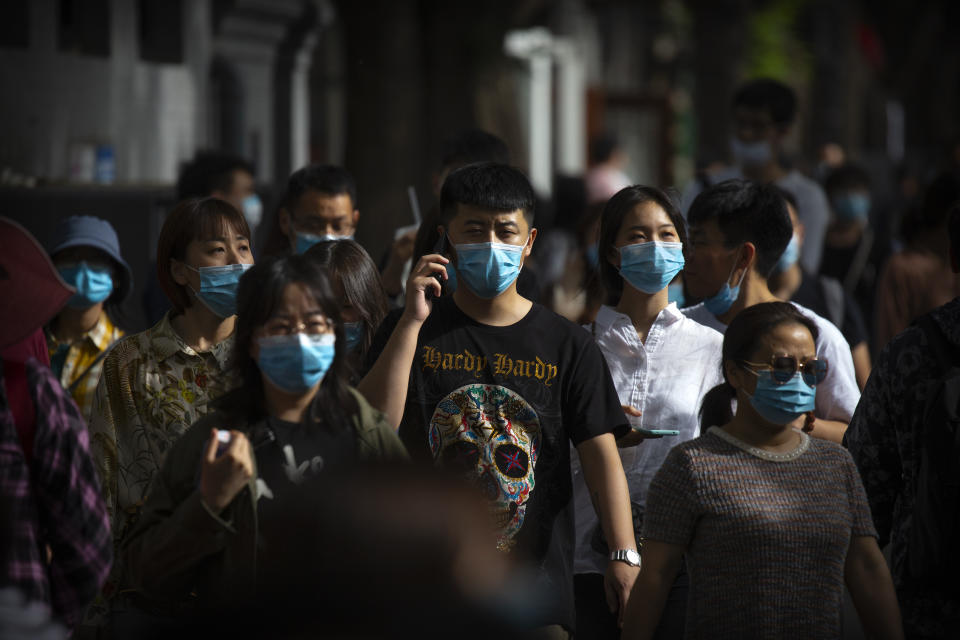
312, 326
783, 368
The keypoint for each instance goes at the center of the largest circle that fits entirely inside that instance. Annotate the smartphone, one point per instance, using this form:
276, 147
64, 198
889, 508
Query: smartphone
441, 248
657, 433
223, 441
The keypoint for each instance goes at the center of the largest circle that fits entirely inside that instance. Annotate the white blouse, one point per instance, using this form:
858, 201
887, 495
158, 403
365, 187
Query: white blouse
666, 378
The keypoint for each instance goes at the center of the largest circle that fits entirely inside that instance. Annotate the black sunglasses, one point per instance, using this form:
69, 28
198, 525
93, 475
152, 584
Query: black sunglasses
783, 368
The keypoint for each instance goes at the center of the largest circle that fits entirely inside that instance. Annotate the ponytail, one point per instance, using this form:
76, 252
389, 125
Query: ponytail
715, 409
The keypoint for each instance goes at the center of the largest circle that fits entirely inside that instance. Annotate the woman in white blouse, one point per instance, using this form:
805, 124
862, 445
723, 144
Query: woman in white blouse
662, 364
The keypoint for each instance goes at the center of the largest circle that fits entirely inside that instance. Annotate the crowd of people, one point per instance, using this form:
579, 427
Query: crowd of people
701, 416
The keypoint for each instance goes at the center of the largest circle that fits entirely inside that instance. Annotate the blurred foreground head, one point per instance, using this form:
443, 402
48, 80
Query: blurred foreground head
381, 552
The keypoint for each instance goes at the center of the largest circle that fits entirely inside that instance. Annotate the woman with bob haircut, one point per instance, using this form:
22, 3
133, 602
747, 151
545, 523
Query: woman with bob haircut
356, 284
158, 382
215, 508
772, 521
662, 364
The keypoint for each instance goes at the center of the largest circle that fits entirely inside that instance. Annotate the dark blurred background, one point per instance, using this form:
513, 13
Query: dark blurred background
104, 99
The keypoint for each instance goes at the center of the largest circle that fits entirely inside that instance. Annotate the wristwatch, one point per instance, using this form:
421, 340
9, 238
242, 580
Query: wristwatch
630, 556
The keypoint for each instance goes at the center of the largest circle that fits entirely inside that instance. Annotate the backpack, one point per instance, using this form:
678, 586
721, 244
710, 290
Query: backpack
933, 557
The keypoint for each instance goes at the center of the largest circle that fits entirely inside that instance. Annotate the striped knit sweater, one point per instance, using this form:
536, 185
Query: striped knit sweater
766, 540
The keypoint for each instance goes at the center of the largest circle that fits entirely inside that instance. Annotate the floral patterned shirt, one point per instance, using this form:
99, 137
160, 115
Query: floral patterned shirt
882, 438
152, 388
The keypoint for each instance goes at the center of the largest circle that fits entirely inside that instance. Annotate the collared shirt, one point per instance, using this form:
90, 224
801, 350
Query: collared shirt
665, 377
882, 438
57, 502
70, 361
838, 394
152, 388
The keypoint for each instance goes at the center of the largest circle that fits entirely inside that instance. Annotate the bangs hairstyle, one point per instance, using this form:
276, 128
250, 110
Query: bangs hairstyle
740, 344
616, 209
258, 296
349, 264
487, 185
194, 219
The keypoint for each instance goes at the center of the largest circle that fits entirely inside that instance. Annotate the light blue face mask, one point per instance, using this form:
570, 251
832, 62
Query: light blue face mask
675, 294
751, 154
253, 209
851, 207
782, 403
307, 240
295, 363
720, 302
93, 284
651, 266
489, 268
353, 332
451, 283
218, 287
789, 256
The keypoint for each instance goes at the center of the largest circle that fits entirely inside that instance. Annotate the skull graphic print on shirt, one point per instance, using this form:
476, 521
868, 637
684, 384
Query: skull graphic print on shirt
492, 435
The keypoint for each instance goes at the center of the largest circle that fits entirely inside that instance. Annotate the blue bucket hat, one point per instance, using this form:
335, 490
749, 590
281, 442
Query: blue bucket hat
88, 231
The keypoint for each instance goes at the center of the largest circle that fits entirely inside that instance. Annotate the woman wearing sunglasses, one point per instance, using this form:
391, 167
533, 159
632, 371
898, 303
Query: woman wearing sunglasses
772, 522
217, 508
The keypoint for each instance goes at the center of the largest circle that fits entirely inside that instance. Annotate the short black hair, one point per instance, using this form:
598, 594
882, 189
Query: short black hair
746, 212
787, 196
487, 185
602, 147
845, 178
209, 171
769, 95
328, 179
471, 146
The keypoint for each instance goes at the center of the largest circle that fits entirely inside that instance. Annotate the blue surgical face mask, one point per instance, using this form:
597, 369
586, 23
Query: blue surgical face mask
353, 332
751, 154
720, 302
94, 284
253, 209
489, 268
218, 287
782, 403
650, 266
295, 363
307, 240
851, 207
789, 256
675, 294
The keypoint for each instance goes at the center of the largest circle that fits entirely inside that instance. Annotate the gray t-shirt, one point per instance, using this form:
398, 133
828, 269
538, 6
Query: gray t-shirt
766, 540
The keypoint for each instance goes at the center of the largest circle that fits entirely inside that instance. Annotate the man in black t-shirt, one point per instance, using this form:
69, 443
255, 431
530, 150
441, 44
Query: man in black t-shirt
497, 387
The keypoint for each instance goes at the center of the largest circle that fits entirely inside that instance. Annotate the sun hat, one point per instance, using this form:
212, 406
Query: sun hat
31, 290
89, 231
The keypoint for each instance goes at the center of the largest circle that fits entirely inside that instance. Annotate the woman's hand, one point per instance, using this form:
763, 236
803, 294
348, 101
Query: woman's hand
223, 477
633, 437
423, 278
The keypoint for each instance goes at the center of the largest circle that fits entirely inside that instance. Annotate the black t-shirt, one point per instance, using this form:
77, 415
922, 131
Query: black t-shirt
294, 453
501, 405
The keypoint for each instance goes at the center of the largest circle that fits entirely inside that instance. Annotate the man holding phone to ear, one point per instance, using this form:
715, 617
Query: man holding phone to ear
496, 386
